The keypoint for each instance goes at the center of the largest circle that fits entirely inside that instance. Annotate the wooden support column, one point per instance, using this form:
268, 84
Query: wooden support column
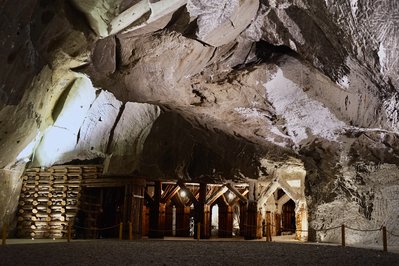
137, 209
169, 220
202, 210
198, 208
157, 213
243, 218
145, 221
203, 214
183, 221
225, 220
252, 219
270, 224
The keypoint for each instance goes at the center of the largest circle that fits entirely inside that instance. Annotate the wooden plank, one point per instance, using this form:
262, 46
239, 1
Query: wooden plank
136, 211
171, 193
215, 195
236, 192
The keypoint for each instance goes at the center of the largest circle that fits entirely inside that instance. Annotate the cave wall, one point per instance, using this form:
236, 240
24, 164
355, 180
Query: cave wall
195, 153
197, 89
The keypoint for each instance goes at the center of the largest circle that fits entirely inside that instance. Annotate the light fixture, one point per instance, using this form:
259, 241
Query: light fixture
183, 193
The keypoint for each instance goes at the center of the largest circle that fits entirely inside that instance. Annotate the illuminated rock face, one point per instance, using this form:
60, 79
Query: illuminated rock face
266, 92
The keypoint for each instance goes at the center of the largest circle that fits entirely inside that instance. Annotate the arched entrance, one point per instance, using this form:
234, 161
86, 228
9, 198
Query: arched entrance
283, 205
288, 224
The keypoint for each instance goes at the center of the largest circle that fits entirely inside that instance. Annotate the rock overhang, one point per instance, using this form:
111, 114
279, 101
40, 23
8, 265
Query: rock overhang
331, 103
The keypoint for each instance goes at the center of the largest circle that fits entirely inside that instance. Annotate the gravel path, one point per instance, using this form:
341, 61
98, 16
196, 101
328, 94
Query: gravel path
158, 252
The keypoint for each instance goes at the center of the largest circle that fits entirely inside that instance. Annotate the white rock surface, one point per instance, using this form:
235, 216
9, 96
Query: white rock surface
128, 138
60, 139
221, 22
95, 131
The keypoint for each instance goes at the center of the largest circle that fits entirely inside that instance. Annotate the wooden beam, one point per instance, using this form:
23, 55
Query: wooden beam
223, 201
267, 192
236, 192
167, 195
290, 191
111, 182
236, 199
190, 195
215, 195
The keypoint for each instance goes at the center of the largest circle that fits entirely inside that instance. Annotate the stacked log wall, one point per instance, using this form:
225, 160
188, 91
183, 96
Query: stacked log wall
49, 199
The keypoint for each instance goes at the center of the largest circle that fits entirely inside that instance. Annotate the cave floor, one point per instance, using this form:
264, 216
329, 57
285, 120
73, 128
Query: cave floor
186, 252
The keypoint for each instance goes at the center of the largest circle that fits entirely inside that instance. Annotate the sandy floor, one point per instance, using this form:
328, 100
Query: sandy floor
190, 252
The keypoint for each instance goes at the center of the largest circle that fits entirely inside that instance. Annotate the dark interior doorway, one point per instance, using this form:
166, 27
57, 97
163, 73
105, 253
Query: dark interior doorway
288, 217
100, 212
112, 211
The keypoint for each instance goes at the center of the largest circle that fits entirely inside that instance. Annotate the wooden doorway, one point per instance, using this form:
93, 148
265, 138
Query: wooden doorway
112, 211
100, 208
288, 217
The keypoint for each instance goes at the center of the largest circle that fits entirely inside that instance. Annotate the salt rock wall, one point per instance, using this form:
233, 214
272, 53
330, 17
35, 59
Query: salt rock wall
30, 84
209, 91
57, 115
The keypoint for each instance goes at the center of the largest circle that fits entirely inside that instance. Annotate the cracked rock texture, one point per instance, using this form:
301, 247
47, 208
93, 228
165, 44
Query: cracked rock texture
210, 91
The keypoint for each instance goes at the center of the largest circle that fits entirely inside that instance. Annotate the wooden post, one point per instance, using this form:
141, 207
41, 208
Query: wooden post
4, 234
137, 212
384, 238
203, 212
243, 219
130, 231
252, 221
69, 232
268, 232
182, 221
157, 213
120, 231
198, 231
343, 235
225, 219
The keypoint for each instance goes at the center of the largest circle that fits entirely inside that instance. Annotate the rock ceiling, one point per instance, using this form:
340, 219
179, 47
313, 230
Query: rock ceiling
207, 89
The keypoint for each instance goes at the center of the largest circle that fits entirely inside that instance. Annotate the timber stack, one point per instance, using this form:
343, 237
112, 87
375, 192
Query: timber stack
49, 199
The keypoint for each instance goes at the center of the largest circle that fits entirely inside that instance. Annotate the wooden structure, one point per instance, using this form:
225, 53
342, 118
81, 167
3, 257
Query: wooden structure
49, 199
94, 205
166, 204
